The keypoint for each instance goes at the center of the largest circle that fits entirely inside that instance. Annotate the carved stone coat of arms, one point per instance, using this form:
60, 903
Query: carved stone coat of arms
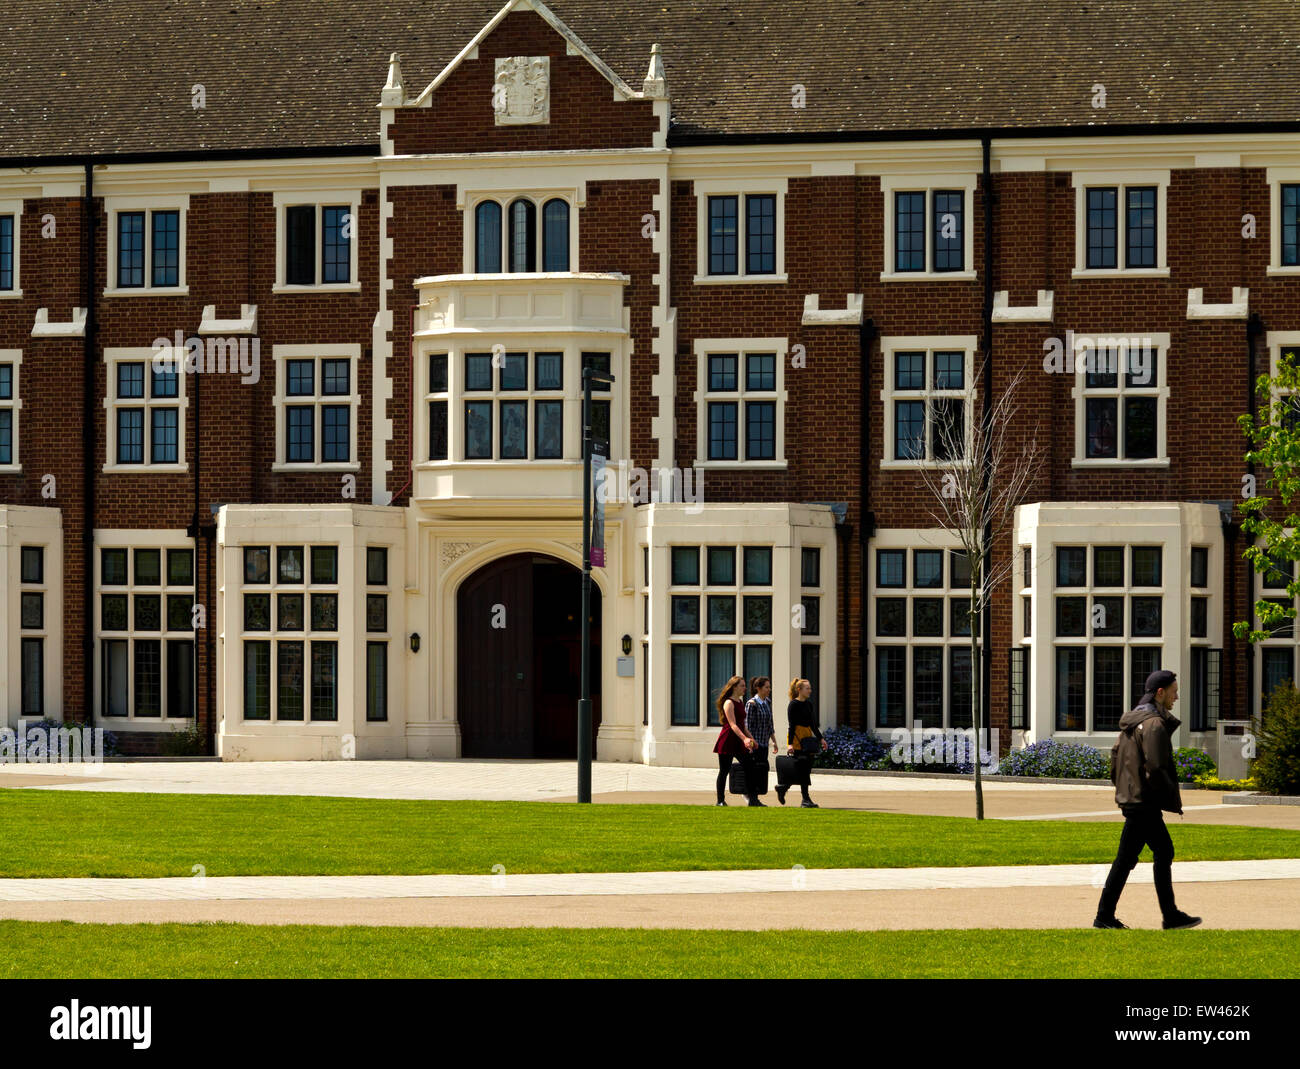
521, 90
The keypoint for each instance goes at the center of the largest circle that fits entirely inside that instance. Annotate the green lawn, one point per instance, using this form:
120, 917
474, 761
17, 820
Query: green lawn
76, 833
63, 949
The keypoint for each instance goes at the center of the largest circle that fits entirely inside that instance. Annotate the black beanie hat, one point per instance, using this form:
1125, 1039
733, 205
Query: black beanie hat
1161, 677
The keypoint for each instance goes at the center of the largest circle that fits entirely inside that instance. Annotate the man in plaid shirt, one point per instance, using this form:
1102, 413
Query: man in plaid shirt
758, 714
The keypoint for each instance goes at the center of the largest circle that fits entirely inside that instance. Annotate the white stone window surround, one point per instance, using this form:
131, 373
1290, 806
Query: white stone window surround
456, 397
14, 358
320, 200
704, 348
235, 620
927, 184
131, 540
739, 188
1177, 528
113, 207
966, 343
1083, 180
1275, 641
468, 200
14, 207
282, 354
145, 355
1274, 340
908, 541
1276, 178
1081, 392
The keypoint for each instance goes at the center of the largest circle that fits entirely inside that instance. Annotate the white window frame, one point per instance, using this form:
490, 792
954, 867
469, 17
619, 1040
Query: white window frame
115, 206
1277, 177
1081, 393
1083, 181
966, 343
273, 636
730, 187
706, 347
13, 357
282, 354
113, 357
504, 198
927, 184
737, 639
1172, 623
908, 542
130, 541
14, 208
320, 200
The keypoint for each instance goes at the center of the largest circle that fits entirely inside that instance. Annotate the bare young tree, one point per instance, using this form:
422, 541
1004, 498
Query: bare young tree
979, 511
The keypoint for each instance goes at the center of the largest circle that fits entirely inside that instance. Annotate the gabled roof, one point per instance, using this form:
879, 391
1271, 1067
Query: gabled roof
116, 76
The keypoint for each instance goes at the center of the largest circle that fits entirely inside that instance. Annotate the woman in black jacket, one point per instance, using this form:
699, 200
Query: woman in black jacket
803, 725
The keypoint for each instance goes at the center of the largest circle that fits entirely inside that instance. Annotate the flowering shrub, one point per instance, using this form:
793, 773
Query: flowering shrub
1059, 760
1192, 763
940, 752
849, 748
47, 727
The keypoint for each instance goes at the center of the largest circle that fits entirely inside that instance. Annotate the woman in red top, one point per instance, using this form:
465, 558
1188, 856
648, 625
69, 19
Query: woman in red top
734, 740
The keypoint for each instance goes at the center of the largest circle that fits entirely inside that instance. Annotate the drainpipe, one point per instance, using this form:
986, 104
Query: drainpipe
1254, 329
866, 520
88, 444
986, 681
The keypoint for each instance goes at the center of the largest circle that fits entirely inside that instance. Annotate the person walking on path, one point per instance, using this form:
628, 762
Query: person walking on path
758, 716
803, 726
1146, 785
734, 740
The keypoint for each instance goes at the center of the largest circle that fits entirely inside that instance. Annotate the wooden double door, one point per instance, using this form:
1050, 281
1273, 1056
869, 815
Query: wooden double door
518, 638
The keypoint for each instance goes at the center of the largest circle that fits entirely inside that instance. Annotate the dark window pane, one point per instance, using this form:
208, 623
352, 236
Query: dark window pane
166, 248
1290, 197
549, 429
291, 680
1108, 703
1140, 232
148, 677
721, 667
116, 675
6, 252
1140, 438
686, 614
549, 371
909, 231
300, 245
927, 685
377, 677
130, 436
377, 612
760, 430
289, 614
130, 381
180, 567
760, 371
438, 373
760, 234
1200, 570
163, 437
289, 563
1071, 616
722, 372
257, 612
1107, 619
812, 615
478, 371
1027, 616
1108, 566
112, 567
1071, 696
949, 242
555, 235
723, 258
1278, 666
6, 436
324, 612
164, 382
1146, 617
959, 565
301, 378
891, 567
810, 668
523, 235
257, 564
949, 429
1277, 574
130, 249
891, 617
148, 567
928, 568
959, 687
514, 371
891, 685
32, 569
336, 378
438, 430
257, 681
597, 362
487, 238
300, 448
959, 616
1142, 368
1200, 617
722, 430
685, 670
686, 565
179, 612
336, 438
335, 221
1071, 566
1103, 440
927, 617
722, 565
514, 429
376, 566
324, 681
811, 567
324, 564
1102, 223
478, 430
1146, 565
909, 430
31, 613
909, 371
180, 679
722, 615
949, 371
32, 681
758, 615
758, 566
113, 612
1143, 661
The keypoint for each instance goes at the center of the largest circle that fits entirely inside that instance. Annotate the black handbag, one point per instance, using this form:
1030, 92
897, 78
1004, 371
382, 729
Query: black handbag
737, 782
793, 771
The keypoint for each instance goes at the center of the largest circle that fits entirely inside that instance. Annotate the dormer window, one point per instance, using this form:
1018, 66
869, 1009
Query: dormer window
513, 232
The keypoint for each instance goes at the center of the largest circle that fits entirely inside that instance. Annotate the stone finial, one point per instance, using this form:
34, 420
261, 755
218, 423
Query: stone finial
656, 83
393, 96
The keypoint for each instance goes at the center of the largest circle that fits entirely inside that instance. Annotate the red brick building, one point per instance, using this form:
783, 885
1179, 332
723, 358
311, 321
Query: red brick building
291, 358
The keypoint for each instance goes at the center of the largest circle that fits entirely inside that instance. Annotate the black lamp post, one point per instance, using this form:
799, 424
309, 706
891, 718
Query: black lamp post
589, 375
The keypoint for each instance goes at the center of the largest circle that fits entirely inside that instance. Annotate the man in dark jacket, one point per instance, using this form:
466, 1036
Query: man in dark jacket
1146, 783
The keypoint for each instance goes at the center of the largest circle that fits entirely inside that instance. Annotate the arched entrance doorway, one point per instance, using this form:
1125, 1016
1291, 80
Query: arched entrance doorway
518, 642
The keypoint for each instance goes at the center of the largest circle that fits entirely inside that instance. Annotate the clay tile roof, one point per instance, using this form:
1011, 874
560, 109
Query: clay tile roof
115, 76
